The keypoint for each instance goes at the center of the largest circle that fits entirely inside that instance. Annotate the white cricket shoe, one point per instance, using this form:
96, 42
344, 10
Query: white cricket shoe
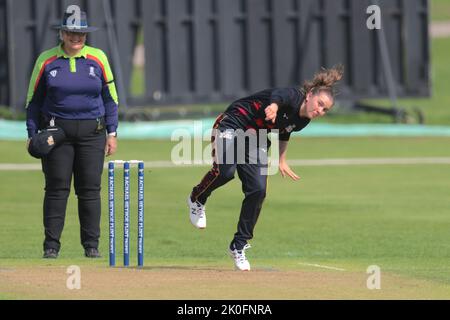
240, 260
197, 214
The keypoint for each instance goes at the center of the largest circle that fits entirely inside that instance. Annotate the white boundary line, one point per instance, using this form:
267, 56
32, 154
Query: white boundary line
321, 266
294, 162
370, 161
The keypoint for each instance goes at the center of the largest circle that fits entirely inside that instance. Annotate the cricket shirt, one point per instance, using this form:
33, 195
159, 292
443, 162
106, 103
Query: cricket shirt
248, 113
72, 88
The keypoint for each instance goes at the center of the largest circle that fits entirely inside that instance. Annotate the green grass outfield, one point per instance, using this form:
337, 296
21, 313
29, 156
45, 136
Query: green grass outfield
439, 10
345, 217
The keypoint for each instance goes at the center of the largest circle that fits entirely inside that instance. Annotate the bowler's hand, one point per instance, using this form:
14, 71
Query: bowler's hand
286, 171
271, 112
111, 145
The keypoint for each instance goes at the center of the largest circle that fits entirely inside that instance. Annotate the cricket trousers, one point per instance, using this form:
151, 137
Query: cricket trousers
81, 156
254, 182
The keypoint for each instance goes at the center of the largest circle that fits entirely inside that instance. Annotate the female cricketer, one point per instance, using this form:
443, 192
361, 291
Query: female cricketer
283, 109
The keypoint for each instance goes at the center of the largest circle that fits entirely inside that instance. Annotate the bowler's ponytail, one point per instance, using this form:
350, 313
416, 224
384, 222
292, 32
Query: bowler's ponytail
324, 80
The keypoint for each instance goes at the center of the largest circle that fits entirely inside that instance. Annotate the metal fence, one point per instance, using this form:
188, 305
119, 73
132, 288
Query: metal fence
4, 94
217, 50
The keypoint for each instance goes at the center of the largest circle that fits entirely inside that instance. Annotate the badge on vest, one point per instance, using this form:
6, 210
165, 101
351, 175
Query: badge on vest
91, 72
53, 73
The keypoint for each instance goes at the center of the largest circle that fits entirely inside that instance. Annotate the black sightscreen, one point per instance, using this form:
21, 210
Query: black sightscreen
217, 50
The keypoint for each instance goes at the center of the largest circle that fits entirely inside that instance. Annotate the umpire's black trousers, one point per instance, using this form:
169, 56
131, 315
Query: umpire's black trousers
252, 173
81, 155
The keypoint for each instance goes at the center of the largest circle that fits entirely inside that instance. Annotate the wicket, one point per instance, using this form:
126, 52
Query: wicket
126, 212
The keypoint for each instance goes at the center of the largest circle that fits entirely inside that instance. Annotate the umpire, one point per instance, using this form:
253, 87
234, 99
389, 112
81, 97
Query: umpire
72, 88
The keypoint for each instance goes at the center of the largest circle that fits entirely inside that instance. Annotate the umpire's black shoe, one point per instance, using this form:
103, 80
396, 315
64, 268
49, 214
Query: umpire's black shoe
92, 253
50, 254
